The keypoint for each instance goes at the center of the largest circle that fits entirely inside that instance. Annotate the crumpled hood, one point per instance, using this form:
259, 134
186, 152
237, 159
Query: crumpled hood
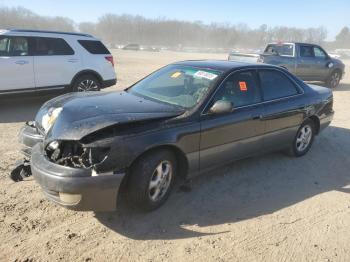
85, 113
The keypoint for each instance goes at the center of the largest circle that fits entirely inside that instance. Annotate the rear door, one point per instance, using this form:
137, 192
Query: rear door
16, 64
283, 108
306, 62
55, 62
237, 134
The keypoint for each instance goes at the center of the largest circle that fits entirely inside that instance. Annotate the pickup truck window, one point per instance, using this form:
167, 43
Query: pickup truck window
276, 85
280, 49
240, 89
306, 51
319, 53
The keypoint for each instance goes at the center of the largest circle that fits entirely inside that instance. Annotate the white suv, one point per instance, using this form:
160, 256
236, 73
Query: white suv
32, 61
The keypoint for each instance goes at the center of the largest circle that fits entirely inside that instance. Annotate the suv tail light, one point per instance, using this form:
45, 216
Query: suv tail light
110, 59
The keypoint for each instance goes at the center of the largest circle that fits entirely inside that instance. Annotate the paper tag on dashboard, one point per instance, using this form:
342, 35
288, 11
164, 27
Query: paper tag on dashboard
204, 74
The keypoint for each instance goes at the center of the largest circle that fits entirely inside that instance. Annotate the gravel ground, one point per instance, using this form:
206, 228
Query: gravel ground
267, 208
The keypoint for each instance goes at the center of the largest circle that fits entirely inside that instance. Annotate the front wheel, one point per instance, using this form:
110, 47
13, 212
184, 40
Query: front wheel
303, 139
151, 179
86, 83
334, 79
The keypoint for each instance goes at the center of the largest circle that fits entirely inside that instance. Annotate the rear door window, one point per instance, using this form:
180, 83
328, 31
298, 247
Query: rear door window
94, 47
306, 51
13, 46
276, 85
47, 46
241, 89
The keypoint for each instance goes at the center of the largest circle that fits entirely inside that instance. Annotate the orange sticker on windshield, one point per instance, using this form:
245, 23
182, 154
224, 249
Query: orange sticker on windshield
176, 74
243, 86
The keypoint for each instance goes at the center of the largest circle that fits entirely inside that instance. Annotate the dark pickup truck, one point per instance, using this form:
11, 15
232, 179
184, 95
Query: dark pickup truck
307, 61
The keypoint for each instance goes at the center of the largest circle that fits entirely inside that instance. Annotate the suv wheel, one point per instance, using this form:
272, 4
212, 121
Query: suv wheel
334, 79
86, 83
151, 180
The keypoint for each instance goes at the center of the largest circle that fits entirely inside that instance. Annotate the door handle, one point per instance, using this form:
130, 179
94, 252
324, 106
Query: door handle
257, 117
21, 62
73, 60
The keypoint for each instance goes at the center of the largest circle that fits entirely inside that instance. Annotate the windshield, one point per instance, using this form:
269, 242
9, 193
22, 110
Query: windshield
183, 86
280, 49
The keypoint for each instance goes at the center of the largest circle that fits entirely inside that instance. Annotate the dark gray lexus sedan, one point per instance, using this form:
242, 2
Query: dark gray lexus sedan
179, 121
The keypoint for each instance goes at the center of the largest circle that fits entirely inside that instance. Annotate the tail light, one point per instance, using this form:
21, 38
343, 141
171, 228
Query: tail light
110, 59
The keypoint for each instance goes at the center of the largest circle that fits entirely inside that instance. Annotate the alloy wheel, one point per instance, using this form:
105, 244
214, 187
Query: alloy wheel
87, 85
160, 181
304, 138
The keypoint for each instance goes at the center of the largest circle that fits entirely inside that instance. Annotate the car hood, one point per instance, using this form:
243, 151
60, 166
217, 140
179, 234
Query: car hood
85, 113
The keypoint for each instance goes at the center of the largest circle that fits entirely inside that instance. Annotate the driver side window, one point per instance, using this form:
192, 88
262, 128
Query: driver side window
319, 53
241, 89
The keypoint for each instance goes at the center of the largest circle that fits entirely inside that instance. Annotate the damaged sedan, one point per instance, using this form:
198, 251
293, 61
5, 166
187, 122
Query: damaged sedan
181, 120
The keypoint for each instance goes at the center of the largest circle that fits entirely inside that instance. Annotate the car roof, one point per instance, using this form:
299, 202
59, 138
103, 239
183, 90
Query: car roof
221, 65
34, 32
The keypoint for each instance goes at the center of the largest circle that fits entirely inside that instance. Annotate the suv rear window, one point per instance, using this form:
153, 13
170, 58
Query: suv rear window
47, 46
94, 47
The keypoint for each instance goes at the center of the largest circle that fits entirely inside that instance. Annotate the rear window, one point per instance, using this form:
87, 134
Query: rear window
47, 46
94, 47
276, 85
280, 49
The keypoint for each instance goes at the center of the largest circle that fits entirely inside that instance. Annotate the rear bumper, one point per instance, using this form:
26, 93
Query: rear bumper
325, 121
108, 83
75, 188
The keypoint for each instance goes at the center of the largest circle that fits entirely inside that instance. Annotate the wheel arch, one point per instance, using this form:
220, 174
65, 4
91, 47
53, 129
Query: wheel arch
316, 121
86, 72
181, 159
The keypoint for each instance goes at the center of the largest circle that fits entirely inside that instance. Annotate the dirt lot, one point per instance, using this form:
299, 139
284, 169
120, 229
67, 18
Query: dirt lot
268, 208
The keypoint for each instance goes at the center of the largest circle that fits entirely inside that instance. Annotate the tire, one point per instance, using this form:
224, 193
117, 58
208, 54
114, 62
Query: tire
303, 142
143, 190
86, 83
334, 79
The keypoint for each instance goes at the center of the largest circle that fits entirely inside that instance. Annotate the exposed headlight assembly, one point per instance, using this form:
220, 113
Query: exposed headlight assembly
50, 117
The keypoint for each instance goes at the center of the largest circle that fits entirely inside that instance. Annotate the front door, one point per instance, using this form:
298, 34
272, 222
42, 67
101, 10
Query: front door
16, 65
237, 134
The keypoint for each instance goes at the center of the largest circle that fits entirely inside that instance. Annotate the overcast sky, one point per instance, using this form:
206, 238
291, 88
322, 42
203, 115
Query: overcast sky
332, 14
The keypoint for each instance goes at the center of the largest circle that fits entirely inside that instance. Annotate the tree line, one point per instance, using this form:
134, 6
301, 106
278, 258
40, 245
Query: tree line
124, 29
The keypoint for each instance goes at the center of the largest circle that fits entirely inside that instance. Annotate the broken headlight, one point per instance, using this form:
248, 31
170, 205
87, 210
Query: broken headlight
50, 117
75, 154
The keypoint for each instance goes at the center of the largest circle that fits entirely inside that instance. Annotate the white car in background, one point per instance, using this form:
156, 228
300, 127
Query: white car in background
34, 61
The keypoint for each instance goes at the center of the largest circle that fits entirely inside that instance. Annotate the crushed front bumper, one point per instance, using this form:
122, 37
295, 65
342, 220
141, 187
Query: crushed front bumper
75, 188
28, 137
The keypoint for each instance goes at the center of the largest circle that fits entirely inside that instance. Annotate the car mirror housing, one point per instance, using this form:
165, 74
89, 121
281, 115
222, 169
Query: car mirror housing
221, 107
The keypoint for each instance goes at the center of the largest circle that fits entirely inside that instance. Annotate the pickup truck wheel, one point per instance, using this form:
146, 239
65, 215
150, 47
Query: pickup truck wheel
86, 83
303, 139
151, 180
334, 79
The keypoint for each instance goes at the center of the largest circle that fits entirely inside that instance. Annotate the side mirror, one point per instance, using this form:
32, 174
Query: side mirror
221, 107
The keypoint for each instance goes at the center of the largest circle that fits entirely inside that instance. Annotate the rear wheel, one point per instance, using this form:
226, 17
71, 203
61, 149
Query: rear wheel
334, 79
151, 179
303, 139
86, 83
